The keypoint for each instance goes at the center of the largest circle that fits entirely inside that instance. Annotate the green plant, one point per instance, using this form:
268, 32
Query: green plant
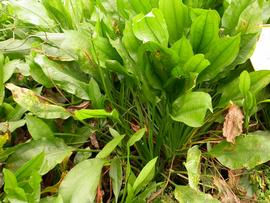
159, 75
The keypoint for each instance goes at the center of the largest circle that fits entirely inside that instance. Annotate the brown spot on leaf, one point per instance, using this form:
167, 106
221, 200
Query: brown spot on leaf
233, 124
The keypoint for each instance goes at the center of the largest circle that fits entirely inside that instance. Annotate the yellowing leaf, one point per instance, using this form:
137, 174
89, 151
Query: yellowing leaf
36, 104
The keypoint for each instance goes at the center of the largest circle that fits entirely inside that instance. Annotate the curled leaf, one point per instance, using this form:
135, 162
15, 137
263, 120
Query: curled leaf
233, 124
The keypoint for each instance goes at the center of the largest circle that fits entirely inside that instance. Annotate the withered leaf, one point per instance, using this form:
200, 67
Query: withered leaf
226, 194
233, 124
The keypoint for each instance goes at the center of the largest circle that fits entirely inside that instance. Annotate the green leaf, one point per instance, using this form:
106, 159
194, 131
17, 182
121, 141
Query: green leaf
36, 104
136, 137
247, 152
220, 55
31, 11
81, 182
258, 81
109, 147
15, 47
195, 64
140, 6
80, 11
187, 194
34, 125
191, 108
54, 199
115, 66
65, 77
11, 126
73, 43
193, 166
183, 49
116, 177
38, 75
176, 17
55, 151
34, 181
151, 27
2, 75
57, 11
204, 31
30, 166
129, 40
97, 100
247, 47
13, 191
250, 18
95, 113
231, 16
105, 50
145, 176
10, 179
194, 3
244, 82
17, 66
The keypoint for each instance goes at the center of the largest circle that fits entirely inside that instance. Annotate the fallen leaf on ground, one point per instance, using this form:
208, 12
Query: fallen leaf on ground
225, 192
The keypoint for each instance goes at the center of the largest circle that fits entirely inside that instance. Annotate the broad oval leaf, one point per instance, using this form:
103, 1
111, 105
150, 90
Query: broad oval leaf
196, 64
36, 104
258, 81
193, 166
247, 152
34, 126
97, 100
15, 66
244, 82
145, 176
55, 150
176, 17
220, 55
81, 182
67, 78
186, 194
191, 108
151, 27
232, 15
30, 166
15, 47
204, 31
11, 126
13, 192
31, 11
184, 50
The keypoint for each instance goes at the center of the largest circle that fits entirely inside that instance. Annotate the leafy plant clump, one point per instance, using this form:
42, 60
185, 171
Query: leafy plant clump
124, 101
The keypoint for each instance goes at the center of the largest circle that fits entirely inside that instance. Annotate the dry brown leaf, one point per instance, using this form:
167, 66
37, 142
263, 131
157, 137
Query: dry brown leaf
226, 194
93, 140
233, 124
234, 178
